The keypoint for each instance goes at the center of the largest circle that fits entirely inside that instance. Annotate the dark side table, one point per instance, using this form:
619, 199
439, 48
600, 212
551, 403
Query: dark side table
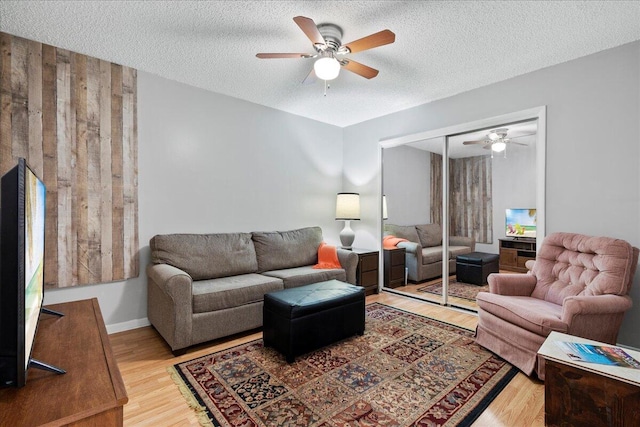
367, 272
394, 265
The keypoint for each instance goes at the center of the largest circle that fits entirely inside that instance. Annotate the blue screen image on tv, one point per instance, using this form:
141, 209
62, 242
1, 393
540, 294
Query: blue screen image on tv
521, 223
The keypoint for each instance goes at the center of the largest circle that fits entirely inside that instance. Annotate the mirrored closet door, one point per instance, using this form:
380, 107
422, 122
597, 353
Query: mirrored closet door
483, 174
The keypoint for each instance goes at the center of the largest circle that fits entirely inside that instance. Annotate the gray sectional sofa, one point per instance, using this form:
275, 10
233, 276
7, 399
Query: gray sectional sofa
423, 251
206, 286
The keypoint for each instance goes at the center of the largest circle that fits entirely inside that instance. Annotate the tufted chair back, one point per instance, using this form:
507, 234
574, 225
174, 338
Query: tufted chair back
570, 264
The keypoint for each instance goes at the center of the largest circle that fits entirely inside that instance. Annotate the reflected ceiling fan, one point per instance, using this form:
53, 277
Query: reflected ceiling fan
497, 141
326, 40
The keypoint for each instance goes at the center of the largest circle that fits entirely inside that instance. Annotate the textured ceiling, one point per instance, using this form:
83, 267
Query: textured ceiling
442, 47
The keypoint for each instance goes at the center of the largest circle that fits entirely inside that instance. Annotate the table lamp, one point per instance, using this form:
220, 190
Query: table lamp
347, 209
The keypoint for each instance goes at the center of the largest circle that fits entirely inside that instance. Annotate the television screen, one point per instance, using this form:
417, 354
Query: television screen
521, 223
22, 217
33, 256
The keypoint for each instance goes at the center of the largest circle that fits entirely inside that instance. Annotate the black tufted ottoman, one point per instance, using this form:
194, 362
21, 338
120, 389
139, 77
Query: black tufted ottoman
475, 267
298, 320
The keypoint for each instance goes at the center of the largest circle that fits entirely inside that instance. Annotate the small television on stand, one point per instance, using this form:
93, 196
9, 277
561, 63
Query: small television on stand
520, 223
22, 233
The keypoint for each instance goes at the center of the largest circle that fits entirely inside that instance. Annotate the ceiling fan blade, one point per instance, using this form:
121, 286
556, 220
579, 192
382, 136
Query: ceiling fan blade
474, 142
311, 77
360, 69
310, 29
374, 40
282, 55
518, 143
522, 136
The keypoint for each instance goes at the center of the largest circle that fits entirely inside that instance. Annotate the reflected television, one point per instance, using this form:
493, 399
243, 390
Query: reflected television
521, 223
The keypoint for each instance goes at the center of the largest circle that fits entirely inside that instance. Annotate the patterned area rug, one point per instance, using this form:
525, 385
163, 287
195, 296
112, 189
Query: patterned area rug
456, 289
405, 370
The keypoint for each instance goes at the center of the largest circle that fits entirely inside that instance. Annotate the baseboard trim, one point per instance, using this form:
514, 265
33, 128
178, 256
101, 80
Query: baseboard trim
128, 325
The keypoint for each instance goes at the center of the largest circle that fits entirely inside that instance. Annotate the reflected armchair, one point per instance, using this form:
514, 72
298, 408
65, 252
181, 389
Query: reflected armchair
578, 285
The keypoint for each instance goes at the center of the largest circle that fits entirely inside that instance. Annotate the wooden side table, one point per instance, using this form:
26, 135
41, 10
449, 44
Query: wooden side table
593, 394
367, 273
394, 264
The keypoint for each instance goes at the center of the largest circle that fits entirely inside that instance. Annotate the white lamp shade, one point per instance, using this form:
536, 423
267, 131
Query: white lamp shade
348, 206
498, 146
327, 68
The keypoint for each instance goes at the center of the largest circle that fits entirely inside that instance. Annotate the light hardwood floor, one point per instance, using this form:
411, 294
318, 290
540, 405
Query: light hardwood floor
154, 400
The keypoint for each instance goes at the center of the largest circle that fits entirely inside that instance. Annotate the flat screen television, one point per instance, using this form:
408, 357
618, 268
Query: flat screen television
521, 223
22, 227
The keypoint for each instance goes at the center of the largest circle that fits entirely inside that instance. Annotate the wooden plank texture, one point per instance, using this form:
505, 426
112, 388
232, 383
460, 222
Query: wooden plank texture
74, 119
6, 160
50, 162
117, 197
63, 137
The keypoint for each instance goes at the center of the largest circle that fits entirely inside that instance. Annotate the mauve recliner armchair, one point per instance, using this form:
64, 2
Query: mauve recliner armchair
578, 285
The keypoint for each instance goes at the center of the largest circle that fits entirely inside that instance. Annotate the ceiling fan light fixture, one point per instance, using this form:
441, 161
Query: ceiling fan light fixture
498, 146
327, 68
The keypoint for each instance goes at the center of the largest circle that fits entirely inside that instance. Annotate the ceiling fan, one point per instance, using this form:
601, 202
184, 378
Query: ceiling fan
326, 40
497, 140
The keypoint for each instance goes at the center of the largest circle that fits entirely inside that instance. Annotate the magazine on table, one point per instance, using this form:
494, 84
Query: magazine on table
602, 354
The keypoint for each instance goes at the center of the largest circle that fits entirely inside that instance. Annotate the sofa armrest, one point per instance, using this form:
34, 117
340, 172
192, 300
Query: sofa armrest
169, 304
411, 248
521, 285
596, 317
171, 280
463, 241
348, 261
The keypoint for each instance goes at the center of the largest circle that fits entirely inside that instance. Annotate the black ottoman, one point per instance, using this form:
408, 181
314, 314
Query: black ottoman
475, 267
298, 320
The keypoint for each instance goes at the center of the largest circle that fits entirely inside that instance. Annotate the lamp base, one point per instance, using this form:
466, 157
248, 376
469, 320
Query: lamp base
347, 236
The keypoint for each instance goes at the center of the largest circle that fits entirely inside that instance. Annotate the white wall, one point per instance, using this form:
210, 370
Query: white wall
593, 147
407, 185
211, 163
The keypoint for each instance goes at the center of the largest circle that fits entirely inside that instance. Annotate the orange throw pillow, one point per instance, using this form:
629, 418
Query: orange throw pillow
390, 242
327, 257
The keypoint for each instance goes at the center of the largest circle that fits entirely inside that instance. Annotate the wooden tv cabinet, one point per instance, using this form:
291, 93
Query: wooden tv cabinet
514, 253
91, 393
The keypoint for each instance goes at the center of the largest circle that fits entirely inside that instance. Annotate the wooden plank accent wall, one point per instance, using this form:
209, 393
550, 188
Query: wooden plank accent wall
74, 118
470, 196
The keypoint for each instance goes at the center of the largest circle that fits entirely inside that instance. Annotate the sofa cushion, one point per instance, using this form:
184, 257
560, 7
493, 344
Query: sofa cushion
429, 234
206, 256
233, 291
534, 315
403, 231
431, 255
300, 276
277, 250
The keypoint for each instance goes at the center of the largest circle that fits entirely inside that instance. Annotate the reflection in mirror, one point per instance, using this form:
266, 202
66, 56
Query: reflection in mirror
412, 244
483, 183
